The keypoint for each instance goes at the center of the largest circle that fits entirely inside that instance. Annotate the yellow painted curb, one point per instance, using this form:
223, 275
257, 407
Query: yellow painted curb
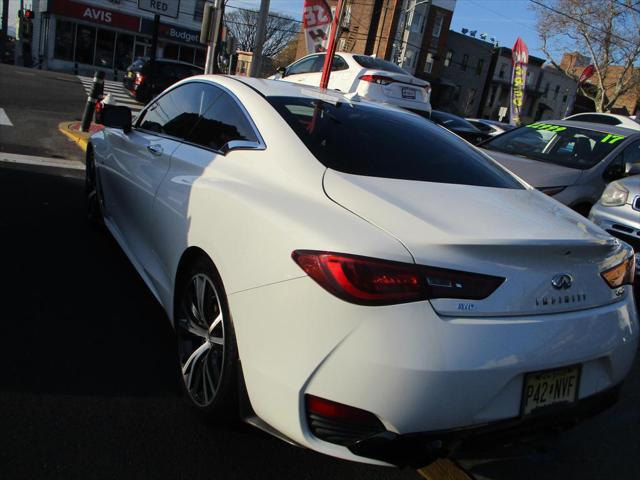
443, 469
79, 138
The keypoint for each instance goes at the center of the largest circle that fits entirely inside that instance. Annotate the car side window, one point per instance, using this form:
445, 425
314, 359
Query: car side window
631, 154
339, 63
177, 112
223, 122
303, 66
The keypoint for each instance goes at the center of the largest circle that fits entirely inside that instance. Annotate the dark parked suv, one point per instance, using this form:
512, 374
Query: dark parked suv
166, 72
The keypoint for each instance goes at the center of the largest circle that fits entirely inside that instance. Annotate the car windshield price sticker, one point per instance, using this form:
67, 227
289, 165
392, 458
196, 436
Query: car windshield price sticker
547, 126
612, 138
543, 389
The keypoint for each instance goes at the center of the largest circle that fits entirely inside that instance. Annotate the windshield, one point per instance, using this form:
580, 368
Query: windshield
367, 140
572, 147
378, 64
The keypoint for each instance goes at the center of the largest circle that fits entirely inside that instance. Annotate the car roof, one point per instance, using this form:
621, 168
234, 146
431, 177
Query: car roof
598, 127
613, 115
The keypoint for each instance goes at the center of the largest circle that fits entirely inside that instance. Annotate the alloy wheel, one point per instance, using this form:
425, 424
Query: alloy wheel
201, 339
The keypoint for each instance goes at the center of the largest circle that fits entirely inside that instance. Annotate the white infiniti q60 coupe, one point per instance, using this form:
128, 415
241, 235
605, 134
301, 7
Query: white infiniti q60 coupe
355, 279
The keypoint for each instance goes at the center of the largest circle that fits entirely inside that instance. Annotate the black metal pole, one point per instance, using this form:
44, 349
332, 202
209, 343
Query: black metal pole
152, 56
96, 91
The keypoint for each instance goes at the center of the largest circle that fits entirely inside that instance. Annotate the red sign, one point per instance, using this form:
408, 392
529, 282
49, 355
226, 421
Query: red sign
316, 22
94, 14
587, 73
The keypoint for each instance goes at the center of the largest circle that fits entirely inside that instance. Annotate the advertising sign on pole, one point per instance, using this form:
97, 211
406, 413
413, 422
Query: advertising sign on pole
316, 22
587, 73
520, 60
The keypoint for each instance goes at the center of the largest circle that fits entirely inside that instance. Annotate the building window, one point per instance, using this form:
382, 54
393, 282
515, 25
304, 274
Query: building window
124, 50
85, 44
437, 25
342, 43
416, 23
530, 77
186, 54
456, 93
471, 99
104, 48
492, 95
555, 92
564, 99
428, 64
346, 17
200, 57
409, 58
65, 33
503, 70
447, 58
197, 12
546, 89
465, 62
170, 51
479, 66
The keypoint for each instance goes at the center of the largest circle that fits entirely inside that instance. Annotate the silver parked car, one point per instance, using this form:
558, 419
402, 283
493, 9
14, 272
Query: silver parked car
571, 161
618, 210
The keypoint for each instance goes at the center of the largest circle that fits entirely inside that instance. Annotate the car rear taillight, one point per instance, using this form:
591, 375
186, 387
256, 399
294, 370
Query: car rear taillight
140, 78
370, 281
622, 274
338, 423
379, 79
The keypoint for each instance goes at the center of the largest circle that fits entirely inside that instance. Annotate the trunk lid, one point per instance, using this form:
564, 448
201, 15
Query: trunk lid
521, 235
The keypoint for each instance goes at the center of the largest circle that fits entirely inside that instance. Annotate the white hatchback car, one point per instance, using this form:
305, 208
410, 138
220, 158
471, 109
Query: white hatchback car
371, 78
606, 119
359, 280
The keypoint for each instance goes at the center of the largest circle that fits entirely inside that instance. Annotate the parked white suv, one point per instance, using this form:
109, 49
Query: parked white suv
371, 78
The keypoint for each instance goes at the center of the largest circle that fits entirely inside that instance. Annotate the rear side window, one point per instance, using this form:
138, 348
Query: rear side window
303, 66
379, 142
378, 64
222, 123
450, 121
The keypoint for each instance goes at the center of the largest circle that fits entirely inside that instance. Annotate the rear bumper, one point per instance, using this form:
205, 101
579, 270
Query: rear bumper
420, 449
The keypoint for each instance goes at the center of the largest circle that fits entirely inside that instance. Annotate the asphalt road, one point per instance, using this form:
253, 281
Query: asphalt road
88, 377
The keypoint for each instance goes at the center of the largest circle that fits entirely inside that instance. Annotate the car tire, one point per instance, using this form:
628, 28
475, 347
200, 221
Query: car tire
92, 192
207, 350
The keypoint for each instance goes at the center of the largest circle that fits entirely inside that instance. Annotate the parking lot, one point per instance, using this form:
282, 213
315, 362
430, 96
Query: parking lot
88, 363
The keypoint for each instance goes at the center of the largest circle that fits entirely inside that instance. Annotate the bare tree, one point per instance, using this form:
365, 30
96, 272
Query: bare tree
281, 29
608, 31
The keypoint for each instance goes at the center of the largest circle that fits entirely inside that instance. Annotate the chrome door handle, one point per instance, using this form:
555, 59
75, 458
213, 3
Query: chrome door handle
155, 149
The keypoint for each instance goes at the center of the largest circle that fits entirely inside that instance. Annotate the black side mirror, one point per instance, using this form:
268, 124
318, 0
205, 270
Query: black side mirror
117, 116
631, 168
282, 71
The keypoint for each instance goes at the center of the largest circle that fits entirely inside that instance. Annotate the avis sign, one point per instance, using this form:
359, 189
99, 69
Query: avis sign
520, 60
316, 22
168, 8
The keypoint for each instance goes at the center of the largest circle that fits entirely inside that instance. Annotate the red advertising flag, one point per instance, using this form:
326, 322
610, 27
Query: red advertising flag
316, 22
587, 73
520, 60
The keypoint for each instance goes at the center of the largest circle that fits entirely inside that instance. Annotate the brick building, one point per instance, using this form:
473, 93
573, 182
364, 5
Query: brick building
411, 33
627, 104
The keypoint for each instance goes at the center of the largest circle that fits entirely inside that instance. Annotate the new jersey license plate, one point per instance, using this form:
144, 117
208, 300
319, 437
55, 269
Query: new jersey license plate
550, 387
408, 93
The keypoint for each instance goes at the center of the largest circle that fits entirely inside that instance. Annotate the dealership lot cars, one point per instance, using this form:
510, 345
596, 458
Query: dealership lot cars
365, 316
571, 161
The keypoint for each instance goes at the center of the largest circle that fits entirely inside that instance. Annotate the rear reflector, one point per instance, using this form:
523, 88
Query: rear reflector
338, 423
370, 281
379, 79
139, 78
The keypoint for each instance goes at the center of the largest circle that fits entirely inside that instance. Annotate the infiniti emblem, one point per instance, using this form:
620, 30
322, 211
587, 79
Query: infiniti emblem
562, 281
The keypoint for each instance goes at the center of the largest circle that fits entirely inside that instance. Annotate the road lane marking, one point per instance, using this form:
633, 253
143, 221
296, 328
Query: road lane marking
41, 161
4, 118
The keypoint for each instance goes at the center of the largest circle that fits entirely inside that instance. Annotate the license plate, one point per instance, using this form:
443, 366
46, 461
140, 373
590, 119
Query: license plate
551, 387
408, 93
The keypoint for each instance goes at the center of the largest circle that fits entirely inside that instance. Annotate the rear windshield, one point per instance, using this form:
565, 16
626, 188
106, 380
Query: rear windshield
366, 140
572, 147
451, 121
378, 64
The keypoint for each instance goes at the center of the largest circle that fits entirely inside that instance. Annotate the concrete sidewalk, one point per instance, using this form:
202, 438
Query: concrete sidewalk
73, 132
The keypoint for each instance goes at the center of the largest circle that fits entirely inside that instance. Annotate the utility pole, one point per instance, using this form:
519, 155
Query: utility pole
261, 33
5, 19
210, 31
